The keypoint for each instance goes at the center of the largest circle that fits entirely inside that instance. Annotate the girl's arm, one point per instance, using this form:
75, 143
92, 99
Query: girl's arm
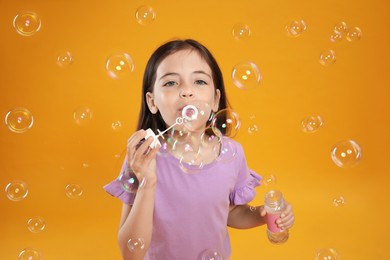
136, 223
245, 216
137, 220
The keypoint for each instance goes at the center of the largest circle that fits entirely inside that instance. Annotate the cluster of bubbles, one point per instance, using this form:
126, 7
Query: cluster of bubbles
339, 31
180, 141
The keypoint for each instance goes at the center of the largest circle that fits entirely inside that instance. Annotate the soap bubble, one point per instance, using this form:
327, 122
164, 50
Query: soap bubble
246, 75
326, 254
29, 254
82, 115
119, 65
73, 191
211, 254
335, 37
116, 125
135, 245
346, 153
145, 15
226, 122
311, 124
190, 162
27, 23
129, 182
241, 31
296, 28
36, 224
228, 151
268, 180
64, 59
19, 120
354, 34
327, 57
16, 190
252, 129
339, 201
340, 27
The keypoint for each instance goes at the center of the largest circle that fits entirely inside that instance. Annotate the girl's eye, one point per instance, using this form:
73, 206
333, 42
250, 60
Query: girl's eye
170, 84
200, 82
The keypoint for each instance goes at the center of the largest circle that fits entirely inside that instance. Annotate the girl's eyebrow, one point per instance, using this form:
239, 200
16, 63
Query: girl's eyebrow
201, 72
169, 74
177, 74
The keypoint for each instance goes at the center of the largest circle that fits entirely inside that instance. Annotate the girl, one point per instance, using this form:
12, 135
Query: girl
175, 215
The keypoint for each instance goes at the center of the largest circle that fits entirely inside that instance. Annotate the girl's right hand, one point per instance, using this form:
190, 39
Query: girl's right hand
142, 159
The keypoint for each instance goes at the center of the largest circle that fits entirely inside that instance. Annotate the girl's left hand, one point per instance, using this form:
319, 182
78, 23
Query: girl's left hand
286, 220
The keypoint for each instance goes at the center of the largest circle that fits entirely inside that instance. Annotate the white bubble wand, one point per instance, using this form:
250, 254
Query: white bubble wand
189, 113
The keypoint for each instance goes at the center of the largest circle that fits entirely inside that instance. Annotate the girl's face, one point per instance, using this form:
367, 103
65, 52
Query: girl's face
183, 78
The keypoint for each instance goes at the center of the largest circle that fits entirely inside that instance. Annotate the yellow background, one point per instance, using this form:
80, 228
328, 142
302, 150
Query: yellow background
352, 96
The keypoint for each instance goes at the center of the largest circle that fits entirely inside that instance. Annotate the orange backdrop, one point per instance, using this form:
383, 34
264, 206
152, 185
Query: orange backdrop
350, 95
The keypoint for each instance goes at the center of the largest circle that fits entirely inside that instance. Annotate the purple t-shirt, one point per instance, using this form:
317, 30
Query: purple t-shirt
191, 210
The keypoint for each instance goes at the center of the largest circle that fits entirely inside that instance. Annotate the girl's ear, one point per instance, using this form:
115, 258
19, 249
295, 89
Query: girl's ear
216, 100
150, 101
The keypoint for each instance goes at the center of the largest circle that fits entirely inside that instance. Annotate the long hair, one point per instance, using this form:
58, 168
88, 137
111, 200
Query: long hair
155, 121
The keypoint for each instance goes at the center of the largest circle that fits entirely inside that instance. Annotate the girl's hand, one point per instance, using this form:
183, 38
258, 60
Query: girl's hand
286, 219
142, 159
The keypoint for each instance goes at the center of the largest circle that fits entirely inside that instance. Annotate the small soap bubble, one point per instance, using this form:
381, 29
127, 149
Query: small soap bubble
241, 31
145, 15
190, 162
252, 129
135, 244
339, 201
19, 120
36, 224
211, 254
227, 152
226, 122
354, 34
252, 208
268, 180
29, 254
129, 182
82, 115
116, 125
327, 57
73, 191
119, 65
296, 28
16, 190
209, 140
346, 153
327, 254
246, 75
64, 59
311, 124
335, 37
340, 27
27, 23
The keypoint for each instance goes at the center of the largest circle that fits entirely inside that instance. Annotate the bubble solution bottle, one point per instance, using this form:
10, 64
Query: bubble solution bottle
274, 205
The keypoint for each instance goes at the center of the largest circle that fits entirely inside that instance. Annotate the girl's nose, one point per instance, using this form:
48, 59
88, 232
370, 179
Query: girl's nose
186, 93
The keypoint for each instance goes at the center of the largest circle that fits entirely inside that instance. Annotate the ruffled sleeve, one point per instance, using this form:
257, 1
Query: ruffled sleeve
247, 180
246, 193
115, 189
